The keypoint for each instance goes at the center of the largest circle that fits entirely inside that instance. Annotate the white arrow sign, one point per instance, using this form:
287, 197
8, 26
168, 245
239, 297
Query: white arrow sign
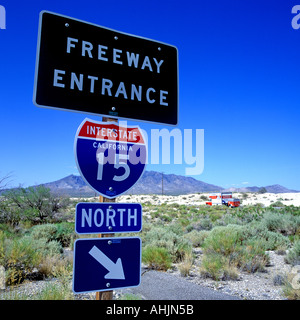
115, 269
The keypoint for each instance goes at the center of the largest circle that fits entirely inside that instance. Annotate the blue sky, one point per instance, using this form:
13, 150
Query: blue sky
239, 65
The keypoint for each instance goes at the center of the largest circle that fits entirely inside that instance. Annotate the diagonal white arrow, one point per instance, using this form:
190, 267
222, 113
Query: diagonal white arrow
115, 269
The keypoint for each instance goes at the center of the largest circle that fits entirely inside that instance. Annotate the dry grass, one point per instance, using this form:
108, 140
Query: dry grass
186, 265
56, 266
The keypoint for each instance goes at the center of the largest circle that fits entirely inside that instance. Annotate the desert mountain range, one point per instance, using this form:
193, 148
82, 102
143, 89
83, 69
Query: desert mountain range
151, 183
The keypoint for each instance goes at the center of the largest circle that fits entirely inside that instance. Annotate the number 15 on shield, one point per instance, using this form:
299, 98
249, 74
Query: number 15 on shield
119, 161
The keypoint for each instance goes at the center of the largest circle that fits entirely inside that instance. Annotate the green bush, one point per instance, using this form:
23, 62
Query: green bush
270, 240
252, 257
44, 231
197, 238
235, 244
65, 233
203, 224
228, 219
22, 252
224, 240
62, 232
164, 237
277, 204
293, 256
34, 204
213, 266
48, 248
284, 223
19, 257
157, 258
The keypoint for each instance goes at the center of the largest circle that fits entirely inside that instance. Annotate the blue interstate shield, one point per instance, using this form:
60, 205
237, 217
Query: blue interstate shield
110, 158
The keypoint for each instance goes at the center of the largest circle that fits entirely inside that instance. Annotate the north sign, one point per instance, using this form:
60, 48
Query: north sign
83, 67
106, 264
110, 157
92, 217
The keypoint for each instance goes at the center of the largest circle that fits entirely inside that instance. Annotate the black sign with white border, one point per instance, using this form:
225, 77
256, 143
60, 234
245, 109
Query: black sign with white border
86, 68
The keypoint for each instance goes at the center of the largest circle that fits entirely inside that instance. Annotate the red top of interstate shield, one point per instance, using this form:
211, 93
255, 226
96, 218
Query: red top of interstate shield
111, 131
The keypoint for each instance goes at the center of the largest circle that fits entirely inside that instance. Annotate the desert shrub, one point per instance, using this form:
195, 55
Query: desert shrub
228, 219
8, 230
240, 216
258, 205
216, 216
166, 218
252, 257
44, 231
234, 247
277, 204
284, 223
204, 198
157, 258
224, 240
56, 266
184, 221
230, 272
273, 221
22, 251
218, 267
61, 232
35, 204
189, 228
203, 224
19, 257
295, 211
197, 237
48, 248
9, 214
65, 233
176, 228
213, 266
270, 240
164, 237
293, 256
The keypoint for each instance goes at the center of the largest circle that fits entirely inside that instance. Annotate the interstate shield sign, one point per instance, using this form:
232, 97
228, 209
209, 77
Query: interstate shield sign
110, 157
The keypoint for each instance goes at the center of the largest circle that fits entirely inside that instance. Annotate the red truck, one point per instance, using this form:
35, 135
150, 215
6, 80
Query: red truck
223, 198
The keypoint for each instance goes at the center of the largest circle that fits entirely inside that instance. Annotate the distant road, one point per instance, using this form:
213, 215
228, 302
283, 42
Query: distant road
164, 286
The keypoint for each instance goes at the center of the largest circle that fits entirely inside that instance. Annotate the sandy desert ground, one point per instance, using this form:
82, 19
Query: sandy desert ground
195, 199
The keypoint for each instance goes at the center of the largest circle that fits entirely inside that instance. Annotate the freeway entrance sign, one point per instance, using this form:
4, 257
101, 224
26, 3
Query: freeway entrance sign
83, 67
111, 158
104, 264
108, 217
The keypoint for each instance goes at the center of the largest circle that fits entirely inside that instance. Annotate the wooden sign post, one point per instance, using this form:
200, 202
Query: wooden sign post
106, 295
